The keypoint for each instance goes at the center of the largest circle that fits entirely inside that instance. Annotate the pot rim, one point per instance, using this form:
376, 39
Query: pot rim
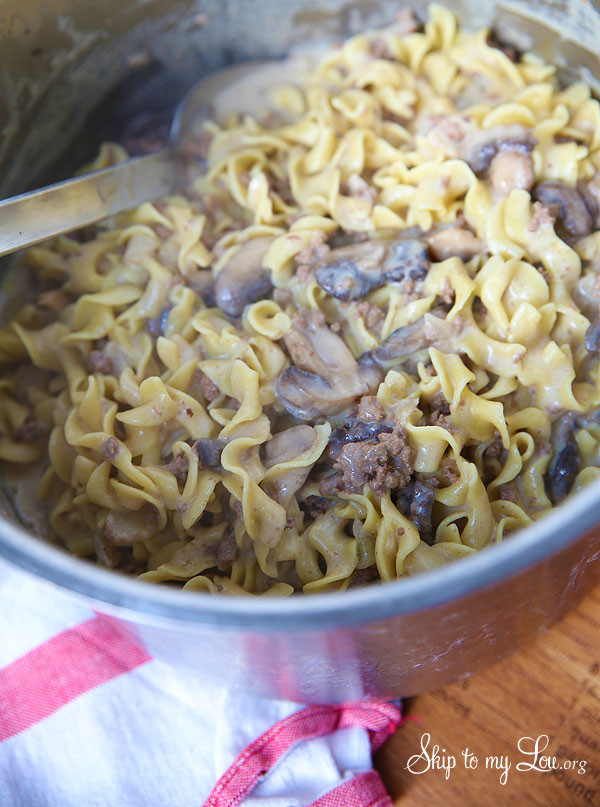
152, 603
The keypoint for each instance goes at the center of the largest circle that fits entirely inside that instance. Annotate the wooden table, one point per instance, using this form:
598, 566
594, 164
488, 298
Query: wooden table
551, 688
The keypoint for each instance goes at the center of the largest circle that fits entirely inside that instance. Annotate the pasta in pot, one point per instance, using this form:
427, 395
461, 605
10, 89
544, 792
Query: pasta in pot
363, 345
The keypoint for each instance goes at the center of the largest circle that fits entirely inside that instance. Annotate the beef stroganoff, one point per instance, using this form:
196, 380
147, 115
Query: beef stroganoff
362, 345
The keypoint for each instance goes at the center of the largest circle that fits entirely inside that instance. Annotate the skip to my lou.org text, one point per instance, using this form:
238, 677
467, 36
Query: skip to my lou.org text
533, 755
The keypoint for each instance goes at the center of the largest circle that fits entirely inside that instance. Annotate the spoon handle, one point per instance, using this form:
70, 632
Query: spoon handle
32, 217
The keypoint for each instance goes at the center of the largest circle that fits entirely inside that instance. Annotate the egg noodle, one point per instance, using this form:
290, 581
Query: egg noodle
361, 346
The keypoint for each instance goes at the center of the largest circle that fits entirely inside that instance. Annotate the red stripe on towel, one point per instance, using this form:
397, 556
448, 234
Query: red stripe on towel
364, 790
61, 669
379, 719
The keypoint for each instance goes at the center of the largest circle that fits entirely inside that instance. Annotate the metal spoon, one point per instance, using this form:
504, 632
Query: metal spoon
33, 217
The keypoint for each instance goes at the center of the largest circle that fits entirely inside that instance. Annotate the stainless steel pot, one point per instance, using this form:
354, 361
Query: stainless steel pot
74, 72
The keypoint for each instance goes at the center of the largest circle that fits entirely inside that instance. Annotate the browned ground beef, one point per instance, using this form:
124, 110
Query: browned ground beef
316, 251
179, 467
315, 506
369, 409
101, 363
384, 463
29, 432
371, 314
227, 552
110, 449
508, 493
209, 389
364, 577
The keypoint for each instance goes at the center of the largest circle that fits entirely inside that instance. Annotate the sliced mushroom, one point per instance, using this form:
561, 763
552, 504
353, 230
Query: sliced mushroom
592, 336
567, 205
202, 282
421, 507
157, 325
591, 193
345, 238
511, 170
406, 258
244, 279
314, 347
565, 463
404, 341
283, 447
453, 241
482, 146
287, 445
427, 331
352, 271
307, 396
209, 452
325, 378
586, 294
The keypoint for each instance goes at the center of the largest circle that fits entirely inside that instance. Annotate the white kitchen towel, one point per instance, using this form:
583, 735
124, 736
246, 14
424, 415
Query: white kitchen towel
88, 719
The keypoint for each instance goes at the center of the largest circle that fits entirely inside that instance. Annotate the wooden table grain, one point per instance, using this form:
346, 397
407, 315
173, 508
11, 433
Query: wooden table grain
551, 689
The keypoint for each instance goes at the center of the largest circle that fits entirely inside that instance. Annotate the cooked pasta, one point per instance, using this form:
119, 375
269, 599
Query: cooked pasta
363, 343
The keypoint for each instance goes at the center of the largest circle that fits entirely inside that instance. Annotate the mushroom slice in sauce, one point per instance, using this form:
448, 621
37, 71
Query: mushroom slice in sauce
284, 447
209, 452
592, 336
511, 170
482, 146
244, 279
421, 508
453, 241
325, 378
590, 191
287, 445
308, 396
416, 501
424, 332
567, 205
157, 325
352, 271
565, 462
586, 295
